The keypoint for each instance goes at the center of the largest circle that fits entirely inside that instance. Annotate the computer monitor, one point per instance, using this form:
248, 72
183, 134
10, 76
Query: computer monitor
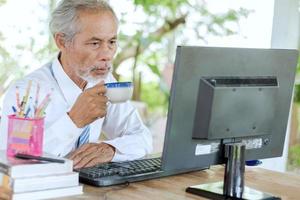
221, 96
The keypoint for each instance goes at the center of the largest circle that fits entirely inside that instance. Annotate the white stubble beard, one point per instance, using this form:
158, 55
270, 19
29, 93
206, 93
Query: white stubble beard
86, 75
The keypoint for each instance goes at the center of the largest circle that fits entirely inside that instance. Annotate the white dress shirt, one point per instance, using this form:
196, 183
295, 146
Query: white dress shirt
122, 124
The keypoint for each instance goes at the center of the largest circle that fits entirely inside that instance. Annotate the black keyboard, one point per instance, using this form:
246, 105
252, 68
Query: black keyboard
120, 172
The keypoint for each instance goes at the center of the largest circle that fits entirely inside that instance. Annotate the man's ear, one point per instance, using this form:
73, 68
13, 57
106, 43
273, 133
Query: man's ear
59, 39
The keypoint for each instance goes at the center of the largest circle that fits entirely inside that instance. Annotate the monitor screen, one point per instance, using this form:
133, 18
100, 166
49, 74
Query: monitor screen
223, 95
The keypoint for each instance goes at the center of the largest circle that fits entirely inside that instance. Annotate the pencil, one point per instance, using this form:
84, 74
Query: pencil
37, 96
25, 99
44, 102
28, 91
41, 110
18, 97
5, 181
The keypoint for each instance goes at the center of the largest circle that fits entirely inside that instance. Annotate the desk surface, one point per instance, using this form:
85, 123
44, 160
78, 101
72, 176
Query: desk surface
285, 185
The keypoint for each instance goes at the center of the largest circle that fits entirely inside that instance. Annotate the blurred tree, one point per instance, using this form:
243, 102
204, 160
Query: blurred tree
7, 64
49, 49
150, 46
297, 84
2, 2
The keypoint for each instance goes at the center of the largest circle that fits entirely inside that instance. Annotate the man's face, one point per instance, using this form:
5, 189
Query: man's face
89, 55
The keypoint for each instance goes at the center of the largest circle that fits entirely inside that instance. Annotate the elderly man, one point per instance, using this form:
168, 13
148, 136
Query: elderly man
85, 31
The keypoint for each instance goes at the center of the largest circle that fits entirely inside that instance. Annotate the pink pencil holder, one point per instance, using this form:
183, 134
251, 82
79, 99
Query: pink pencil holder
25, 135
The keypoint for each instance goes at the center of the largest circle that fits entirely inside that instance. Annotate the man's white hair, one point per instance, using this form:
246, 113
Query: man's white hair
64, 18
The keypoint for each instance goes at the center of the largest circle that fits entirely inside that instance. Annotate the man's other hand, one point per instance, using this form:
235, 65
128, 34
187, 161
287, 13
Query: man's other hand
5, 193
89, 106
92, 154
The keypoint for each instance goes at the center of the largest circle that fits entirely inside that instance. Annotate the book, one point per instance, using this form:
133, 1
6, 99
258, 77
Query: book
37, 183
47, 194
4, 180
17, 168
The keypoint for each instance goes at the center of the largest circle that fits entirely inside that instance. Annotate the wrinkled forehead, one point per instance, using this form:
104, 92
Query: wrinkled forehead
93, 19
101, 25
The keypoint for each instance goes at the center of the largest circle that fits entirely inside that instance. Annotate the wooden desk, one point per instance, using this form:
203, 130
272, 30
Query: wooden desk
285, 185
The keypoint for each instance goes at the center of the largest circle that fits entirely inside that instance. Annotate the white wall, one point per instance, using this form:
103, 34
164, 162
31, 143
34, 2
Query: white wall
285, 35
285, 31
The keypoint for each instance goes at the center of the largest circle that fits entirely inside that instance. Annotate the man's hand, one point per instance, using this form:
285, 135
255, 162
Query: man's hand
89, 106
5, 193
91, 154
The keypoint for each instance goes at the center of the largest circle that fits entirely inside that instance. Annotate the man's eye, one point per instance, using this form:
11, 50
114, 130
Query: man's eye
94, 44
112, 44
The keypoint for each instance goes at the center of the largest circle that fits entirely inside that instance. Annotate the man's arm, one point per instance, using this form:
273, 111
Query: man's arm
126, 132
89, 106
129, 139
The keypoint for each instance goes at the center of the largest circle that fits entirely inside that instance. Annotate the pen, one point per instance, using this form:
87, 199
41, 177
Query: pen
14, 109
26, 156
28, 108
27, 112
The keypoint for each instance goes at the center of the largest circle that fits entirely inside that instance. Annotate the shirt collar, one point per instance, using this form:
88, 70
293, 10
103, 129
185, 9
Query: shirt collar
69, 89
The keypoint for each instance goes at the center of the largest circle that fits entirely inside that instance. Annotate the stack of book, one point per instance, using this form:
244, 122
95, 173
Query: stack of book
33, 179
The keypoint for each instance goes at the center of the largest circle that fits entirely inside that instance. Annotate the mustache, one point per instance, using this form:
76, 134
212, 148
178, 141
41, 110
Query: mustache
104, 66
85, 74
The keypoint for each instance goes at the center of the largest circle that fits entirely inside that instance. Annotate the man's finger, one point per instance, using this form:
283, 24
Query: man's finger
102, 156
101, 100
80, 156
86, 148
97, 89
85, 160
79, 150
94, 162
73, 154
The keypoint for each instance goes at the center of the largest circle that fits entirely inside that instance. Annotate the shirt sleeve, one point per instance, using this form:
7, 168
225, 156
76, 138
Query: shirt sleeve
60, 136
126, 132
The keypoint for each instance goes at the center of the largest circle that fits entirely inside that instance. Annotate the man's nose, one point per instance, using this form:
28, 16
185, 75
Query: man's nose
106, 53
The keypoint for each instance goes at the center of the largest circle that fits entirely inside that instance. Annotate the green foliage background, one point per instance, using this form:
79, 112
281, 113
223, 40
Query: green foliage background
294, 157
150, 48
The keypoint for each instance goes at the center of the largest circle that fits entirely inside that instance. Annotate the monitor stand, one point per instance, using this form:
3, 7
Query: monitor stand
233, 178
